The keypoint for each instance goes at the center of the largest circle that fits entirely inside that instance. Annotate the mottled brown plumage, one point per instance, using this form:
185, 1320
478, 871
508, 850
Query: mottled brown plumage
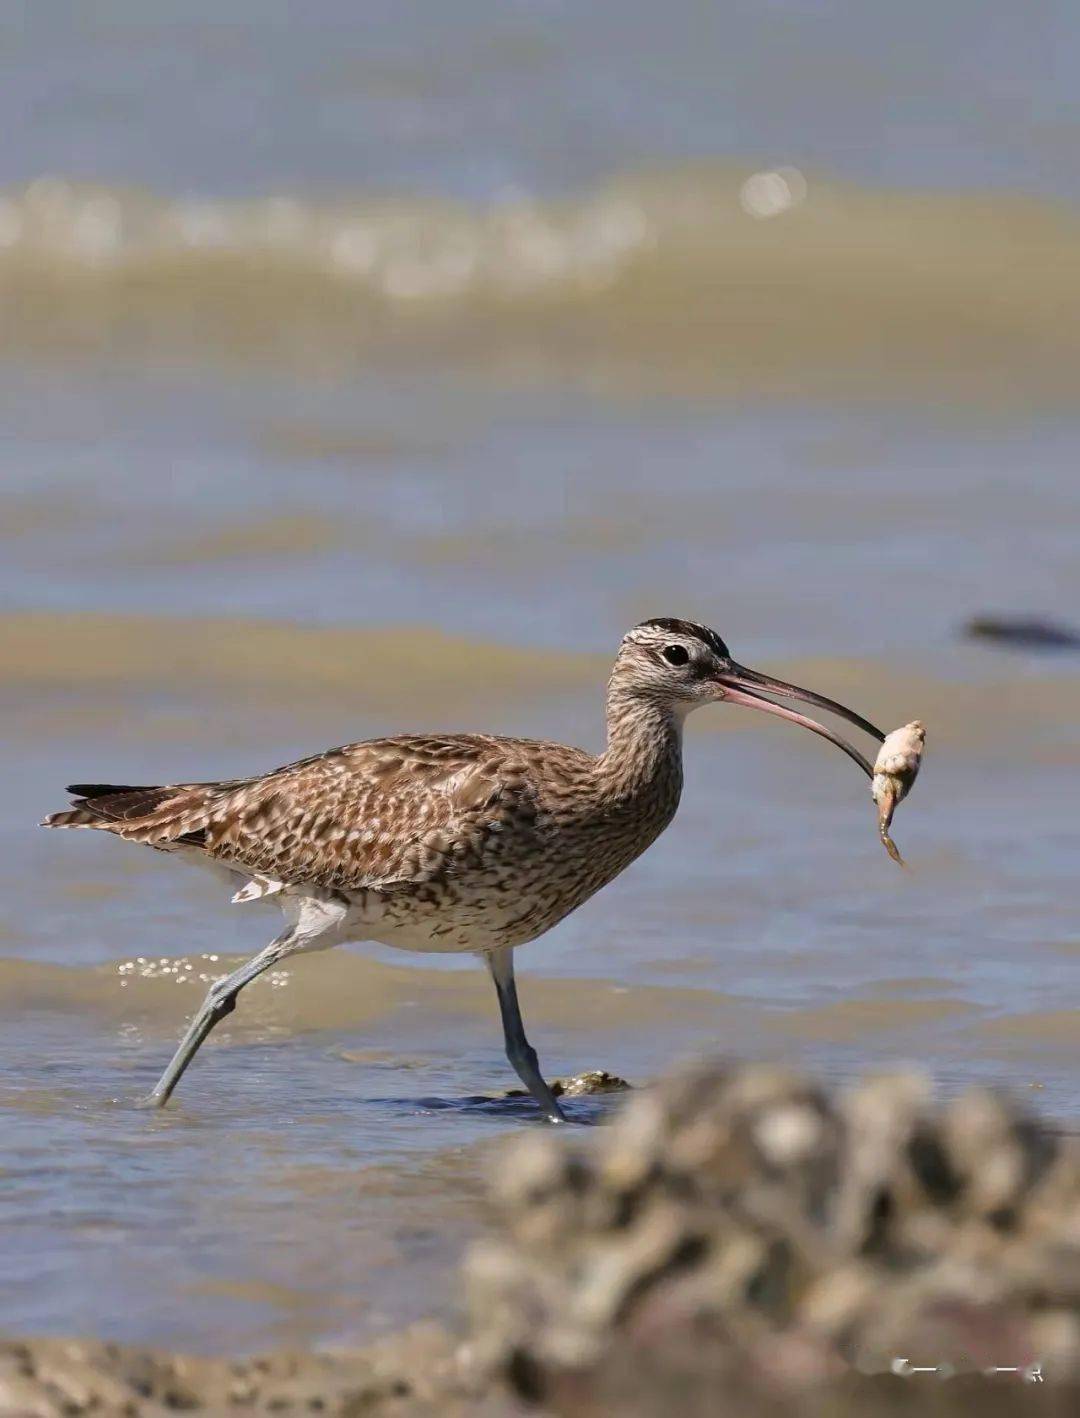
425, 821
457, 842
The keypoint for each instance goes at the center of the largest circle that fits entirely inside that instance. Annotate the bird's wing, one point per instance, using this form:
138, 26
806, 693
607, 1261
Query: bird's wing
370, 815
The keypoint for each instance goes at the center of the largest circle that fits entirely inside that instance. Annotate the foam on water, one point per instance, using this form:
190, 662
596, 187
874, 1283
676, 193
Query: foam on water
879, 294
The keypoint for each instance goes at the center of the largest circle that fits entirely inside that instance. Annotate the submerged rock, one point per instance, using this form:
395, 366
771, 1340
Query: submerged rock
579, 1085
593, 1080
740, 1232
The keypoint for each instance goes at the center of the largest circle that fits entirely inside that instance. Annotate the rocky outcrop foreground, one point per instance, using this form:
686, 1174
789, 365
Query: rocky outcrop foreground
738, 1243
741, 1242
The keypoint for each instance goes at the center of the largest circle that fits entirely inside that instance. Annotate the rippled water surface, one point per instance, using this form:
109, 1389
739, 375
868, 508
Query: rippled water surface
394, 411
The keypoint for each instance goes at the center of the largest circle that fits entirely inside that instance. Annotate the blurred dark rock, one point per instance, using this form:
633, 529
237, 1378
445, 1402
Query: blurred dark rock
740, 1242
1022, 633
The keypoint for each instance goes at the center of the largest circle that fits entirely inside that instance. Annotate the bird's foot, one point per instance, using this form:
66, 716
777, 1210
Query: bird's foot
152, 1100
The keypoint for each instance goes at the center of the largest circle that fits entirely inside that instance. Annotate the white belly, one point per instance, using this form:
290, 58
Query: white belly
368, 915
440, 930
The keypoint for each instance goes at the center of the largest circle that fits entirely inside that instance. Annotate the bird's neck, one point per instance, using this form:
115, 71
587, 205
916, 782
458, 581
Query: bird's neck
644, 746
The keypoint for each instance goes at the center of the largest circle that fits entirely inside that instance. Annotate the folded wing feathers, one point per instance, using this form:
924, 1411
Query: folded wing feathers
370, 814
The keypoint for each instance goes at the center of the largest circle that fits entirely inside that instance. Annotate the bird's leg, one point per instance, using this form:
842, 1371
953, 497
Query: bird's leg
220, 1001
519, 1051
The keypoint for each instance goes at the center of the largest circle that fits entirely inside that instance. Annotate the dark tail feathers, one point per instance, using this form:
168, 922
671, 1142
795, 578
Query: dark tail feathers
117, 802
100, 790
103, 804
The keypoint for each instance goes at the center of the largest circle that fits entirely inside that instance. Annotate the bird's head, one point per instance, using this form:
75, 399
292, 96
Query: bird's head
679, 665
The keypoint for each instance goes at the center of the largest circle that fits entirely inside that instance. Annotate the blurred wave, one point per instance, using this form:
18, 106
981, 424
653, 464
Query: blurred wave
699, 278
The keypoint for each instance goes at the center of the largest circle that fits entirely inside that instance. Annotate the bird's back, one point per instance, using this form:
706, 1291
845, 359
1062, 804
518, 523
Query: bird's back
363, 815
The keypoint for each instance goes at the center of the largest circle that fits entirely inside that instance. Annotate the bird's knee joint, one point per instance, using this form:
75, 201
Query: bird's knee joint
221, 1003
520, 1053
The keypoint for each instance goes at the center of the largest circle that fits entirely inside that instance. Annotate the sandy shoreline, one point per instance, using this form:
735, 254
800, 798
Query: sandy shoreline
414, 1373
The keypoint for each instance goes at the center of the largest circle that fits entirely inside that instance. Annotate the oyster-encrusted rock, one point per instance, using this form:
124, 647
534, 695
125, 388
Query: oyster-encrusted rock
740, 1241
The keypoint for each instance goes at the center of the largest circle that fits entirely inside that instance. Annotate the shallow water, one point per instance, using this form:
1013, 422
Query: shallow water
310, 436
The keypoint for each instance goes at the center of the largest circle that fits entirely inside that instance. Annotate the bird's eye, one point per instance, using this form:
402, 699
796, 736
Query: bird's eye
676, 654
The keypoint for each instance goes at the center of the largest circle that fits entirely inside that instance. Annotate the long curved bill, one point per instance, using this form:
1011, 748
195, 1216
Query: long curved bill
743, 686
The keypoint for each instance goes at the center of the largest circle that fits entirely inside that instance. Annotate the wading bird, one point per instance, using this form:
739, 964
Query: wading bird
462, 842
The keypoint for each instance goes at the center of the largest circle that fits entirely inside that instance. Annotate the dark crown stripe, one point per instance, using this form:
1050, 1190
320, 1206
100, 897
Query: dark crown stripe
689, 627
